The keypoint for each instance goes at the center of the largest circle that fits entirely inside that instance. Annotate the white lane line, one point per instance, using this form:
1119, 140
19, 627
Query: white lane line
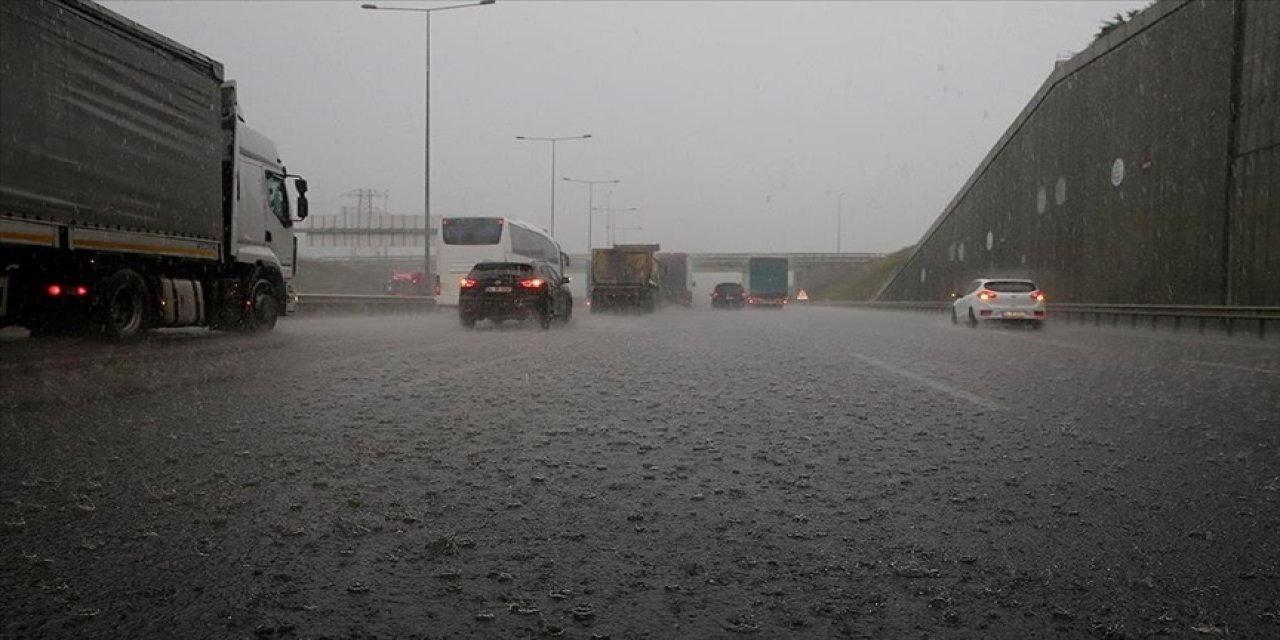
1223, 365
932, 384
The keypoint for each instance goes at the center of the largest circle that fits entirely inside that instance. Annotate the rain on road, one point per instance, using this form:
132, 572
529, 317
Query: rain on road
813, 472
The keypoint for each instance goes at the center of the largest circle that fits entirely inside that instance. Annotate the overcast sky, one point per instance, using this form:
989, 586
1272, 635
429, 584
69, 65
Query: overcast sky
733, 125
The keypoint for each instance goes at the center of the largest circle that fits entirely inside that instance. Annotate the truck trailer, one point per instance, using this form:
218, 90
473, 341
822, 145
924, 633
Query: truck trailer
676, 274
625, 276
132, 193
766, 282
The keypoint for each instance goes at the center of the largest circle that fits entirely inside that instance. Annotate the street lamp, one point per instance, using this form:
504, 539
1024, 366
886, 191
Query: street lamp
553, 142
426, 153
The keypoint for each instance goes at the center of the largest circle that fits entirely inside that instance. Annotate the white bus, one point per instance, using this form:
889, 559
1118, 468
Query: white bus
467, 241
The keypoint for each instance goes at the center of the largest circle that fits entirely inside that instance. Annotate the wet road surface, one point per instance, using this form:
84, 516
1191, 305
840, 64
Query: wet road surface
804, 473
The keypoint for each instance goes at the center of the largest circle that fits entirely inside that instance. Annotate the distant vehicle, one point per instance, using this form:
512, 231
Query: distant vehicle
625, 275
766, 282
676, 278
1005, 300
132, 193
464, 242
499, 291
407, 283
728, 295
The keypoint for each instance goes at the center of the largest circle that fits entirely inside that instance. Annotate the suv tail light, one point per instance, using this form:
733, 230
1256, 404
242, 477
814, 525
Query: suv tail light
467, 283
532, 283
986, 295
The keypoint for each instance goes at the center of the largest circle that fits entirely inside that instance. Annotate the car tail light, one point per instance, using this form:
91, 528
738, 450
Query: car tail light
54, 290
715, 295
532, 283
1037, 295
82, 291
986, 295
467, 283
1039, 314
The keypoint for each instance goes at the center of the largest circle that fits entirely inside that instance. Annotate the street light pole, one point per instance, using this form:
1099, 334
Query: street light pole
553, 142
613, 227
591, 214
591, 207
839, 218
426, 136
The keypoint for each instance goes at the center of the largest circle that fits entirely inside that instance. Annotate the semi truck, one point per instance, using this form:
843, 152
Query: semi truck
765, 280
132, 193
625, 276
676, 278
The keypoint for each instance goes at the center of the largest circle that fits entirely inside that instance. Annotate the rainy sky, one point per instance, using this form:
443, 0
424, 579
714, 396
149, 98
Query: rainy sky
734, 126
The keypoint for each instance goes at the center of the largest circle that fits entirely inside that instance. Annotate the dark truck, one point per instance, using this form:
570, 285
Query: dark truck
132, 193
676, 278
625, 276
765, 280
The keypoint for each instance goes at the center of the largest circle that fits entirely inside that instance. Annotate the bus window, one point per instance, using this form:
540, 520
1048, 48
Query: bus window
472, 231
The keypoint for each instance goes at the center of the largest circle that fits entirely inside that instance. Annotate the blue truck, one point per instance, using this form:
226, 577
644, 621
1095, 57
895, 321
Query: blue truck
765, 280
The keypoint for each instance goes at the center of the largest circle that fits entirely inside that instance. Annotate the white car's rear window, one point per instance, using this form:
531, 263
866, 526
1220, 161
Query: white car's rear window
1011, 286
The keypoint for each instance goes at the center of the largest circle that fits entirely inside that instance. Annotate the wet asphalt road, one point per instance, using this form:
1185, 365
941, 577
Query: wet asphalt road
804, 473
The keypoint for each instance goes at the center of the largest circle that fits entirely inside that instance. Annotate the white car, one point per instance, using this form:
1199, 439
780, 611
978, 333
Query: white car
988, 299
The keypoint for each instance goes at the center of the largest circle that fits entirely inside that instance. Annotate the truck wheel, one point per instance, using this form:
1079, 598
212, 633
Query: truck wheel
264, 307
124, 305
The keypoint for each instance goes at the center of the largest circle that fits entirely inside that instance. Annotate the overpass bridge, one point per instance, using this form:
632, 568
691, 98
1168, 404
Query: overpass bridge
368, 274
728, 262
704, 262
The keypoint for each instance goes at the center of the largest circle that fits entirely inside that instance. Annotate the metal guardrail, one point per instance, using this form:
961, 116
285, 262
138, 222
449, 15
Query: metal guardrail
1227, 318
320, 302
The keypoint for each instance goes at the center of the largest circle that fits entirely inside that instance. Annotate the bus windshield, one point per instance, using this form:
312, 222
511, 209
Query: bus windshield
472, 231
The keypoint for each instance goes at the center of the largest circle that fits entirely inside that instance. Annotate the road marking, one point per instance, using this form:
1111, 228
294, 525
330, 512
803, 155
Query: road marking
932, 384
1223, 365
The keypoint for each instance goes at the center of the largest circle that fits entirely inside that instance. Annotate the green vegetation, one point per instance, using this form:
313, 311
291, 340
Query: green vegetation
1120, 19
866, 282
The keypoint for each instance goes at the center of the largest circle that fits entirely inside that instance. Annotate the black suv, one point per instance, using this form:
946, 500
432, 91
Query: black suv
500, 291
728, 295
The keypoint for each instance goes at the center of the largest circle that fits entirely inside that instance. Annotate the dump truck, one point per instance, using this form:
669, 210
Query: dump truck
765, 280
625, 276
132, 193
676, 278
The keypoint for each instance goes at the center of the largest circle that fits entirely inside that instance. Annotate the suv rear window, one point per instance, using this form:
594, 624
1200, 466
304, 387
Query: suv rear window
490, 269
1011, 286
728, 288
